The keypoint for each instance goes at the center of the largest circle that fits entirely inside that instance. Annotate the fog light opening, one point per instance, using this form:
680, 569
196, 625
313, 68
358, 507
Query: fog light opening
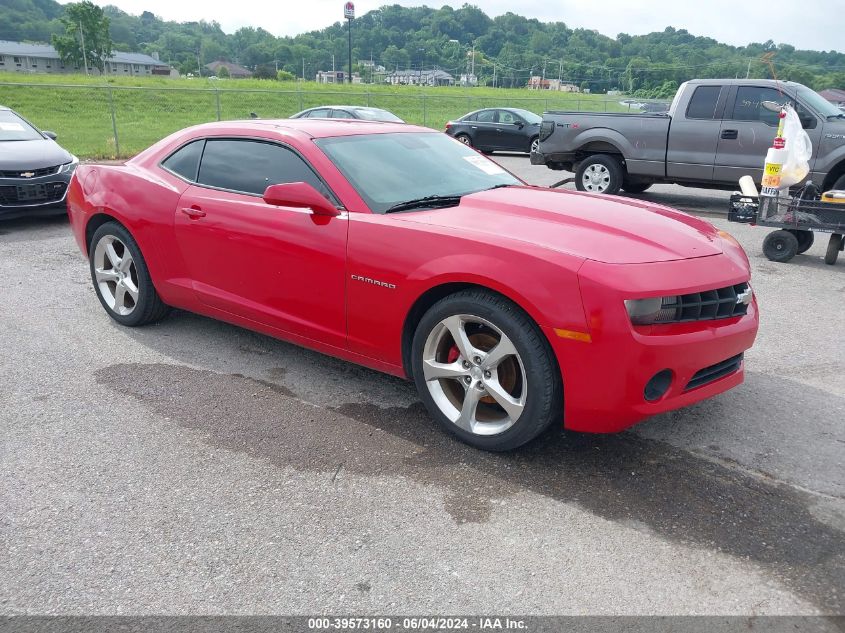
659, 384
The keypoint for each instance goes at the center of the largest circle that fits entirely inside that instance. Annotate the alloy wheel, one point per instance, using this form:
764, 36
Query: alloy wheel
474, 374
596, 178
116, 275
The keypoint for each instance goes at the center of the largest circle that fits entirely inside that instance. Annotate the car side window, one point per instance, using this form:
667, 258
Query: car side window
749, 104
486, 116
322, 113
248, 166
470, 117
703, 102
507, 117
185, 161
341, 114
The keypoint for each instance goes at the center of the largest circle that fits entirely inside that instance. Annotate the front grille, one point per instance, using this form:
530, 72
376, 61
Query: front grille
35, 173
714, 372
42, 193
722, 303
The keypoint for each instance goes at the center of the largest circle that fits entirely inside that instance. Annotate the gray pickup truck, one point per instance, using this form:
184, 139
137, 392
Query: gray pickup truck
716, 131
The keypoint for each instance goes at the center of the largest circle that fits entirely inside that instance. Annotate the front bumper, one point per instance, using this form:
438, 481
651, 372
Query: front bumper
605, 379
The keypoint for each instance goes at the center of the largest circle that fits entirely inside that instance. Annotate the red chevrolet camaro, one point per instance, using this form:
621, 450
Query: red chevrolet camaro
512, 308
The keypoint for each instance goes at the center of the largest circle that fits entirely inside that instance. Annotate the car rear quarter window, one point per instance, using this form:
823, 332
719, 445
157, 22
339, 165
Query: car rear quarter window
749, 104
185, 161
248, 166
322, 113
703, 102
341, 114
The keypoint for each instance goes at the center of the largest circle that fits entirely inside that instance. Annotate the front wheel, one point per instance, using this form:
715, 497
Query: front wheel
485, 372
121, 278
534, 147
600, 173
780, 246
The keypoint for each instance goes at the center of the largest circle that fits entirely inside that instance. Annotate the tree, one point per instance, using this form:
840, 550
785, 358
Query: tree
84, 21
284, 75
264, 71
223, 72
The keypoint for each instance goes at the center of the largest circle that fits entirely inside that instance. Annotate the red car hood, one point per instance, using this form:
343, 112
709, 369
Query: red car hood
601, 228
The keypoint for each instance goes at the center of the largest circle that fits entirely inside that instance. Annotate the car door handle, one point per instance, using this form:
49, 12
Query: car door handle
193, 212
474, 127
729, 134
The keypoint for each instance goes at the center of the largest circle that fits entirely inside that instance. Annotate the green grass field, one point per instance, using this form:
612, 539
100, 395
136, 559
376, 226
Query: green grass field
79, 109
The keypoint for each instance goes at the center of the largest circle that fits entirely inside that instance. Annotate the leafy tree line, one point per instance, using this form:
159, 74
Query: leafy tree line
508, 49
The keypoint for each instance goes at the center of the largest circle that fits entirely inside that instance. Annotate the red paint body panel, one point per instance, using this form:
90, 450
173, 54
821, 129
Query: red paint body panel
569, 260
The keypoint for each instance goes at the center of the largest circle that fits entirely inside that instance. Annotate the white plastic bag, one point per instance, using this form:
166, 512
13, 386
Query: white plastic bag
799, 150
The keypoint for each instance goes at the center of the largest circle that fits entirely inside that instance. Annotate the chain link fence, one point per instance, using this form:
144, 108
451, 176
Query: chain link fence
118, 121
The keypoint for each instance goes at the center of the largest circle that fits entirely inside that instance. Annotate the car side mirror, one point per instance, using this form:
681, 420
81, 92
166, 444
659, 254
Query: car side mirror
48, 134
300, 195
520, 124
808, 121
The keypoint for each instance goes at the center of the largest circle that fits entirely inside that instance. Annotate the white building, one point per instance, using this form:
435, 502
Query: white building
335, 77
420, 78
43, 58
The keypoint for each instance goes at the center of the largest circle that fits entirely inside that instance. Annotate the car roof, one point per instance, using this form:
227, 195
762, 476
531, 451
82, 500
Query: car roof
315, 128
339, 107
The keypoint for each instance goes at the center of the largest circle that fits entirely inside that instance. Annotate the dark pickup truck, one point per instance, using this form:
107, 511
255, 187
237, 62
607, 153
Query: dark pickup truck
716, 131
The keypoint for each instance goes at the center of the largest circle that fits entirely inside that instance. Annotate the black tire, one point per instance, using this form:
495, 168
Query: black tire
531, 142
833, 247
465, 139
805, 239
636, 187
780, 246
543, 390
149, 307
610, 174
840, 183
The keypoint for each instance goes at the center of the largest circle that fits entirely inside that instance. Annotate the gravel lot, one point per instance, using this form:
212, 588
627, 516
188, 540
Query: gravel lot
195, 467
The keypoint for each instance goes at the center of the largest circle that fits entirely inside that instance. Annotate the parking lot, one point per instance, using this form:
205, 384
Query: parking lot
196, 467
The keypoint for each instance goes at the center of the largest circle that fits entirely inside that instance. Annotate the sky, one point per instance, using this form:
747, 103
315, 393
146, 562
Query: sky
808, 24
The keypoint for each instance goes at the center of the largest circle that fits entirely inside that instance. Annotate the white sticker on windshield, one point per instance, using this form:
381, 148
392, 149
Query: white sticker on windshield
11, 127
485, 165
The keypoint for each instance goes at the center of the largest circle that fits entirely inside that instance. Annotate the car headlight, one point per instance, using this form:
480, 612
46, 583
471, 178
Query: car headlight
69, 168
654, 310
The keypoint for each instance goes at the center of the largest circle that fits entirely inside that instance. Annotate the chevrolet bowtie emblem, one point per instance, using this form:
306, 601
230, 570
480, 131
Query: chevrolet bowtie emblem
27, 174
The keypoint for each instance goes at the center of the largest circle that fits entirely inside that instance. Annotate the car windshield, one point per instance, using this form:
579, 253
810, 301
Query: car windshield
375, 114
818, 102
14, 128
529, 117
387, 169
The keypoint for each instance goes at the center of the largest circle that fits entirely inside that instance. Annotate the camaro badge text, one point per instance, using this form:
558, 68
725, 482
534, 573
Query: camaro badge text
374, 282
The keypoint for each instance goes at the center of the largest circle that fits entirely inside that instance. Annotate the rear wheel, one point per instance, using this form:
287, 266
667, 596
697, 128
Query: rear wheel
805, 239
121, 278
465, 139
833, 247
780, 246
485, 372
599, 173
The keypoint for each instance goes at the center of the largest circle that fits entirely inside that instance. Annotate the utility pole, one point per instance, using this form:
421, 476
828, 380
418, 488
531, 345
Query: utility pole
494, 74
559, 72
349, 14
303, 69
84, 55
748, 71
472, 74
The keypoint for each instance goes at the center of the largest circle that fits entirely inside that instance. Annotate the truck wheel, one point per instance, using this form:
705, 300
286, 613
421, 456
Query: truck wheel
805, 239
599, 173
636, 187
780, 246
833, 248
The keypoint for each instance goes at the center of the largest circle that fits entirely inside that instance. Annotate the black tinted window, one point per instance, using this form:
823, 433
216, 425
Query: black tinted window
185, 161
703, 102
486, 116
252, 166
748, 106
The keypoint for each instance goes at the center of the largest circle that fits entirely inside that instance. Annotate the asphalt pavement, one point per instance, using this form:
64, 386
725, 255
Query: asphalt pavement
193, 467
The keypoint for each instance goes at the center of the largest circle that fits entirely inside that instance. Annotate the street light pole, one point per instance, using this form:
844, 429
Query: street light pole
349, 14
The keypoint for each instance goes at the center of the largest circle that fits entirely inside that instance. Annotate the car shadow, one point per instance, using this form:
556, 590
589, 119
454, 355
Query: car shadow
33, 227
640, 482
